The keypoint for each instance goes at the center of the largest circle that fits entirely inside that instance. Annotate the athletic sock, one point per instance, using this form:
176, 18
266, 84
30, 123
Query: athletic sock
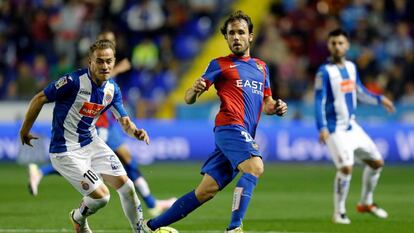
181, 208
369, 182
88, 207
341, 188
132, 169
241, 198
142, 187
131, 205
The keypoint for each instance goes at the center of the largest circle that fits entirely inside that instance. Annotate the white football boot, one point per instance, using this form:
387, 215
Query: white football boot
79, 227
339, 218
235, 230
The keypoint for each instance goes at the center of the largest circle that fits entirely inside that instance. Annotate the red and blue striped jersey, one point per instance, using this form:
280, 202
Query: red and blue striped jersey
241, 84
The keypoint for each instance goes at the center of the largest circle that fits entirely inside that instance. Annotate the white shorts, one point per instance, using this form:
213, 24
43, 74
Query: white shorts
83, 167
344, 145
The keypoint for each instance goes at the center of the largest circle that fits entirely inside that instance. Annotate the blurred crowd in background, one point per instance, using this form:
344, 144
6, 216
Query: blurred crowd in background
41, 40
292, 41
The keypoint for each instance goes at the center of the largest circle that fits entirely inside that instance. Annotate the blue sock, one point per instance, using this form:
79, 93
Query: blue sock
241, 198
48, 169
149, 200
132, 170
181, 208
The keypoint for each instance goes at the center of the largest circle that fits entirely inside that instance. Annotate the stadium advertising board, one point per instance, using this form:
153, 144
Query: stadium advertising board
193, 140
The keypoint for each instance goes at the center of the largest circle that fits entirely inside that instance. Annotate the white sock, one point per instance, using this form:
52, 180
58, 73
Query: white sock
131, 205
142, 186
369, 182
88, 207
341, 188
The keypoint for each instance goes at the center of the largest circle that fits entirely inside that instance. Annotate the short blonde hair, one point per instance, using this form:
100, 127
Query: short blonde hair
101, 44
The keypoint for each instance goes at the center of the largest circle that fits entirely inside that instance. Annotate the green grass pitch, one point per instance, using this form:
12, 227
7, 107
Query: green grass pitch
289, 198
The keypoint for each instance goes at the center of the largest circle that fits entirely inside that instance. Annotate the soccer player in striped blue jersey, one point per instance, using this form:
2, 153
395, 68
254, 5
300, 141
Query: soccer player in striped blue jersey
242, 83
337, 89
76, 151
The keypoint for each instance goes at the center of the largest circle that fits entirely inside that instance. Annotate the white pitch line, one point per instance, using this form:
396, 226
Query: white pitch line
24, 230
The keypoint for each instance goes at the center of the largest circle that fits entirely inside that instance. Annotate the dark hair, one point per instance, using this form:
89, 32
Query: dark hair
101, 44
238, 15
338, 32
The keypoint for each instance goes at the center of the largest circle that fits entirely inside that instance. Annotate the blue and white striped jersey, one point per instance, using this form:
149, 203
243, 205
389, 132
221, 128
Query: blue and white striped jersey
79, 102
337, 89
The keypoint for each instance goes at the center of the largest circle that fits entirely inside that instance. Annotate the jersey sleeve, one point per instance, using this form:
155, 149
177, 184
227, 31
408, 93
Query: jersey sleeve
212, 72
60, 88
321, 84
267, 89
117, 107
364, 95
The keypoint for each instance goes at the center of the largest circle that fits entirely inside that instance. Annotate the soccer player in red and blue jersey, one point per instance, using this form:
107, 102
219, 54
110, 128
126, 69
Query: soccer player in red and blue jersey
242, 83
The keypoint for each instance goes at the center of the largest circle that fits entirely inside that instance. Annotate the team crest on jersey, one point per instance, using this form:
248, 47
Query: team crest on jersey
85, 186
108, 97
90, 109
260, 67
61, 82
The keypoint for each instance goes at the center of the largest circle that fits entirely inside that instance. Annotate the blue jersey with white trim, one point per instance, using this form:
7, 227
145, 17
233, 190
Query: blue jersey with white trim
78, 104
337, 89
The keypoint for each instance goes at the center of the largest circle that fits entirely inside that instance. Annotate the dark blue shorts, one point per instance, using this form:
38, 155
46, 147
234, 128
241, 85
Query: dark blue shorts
115, 137
233, 146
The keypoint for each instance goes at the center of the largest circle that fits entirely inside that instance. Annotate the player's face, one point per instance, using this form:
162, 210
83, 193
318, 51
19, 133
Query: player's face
338, 46
101, 64
238, 37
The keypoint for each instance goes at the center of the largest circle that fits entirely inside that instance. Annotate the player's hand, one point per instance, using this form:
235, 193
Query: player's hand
26, 138
142, 135
388, 104
323, 136
199, 85
280, 107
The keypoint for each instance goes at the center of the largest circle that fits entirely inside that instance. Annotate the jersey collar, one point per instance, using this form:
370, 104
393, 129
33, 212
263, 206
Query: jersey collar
244, 58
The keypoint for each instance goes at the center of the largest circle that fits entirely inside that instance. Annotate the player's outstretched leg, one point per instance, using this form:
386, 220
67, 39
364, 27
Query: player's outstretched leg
369, 182
341, 188
181, 208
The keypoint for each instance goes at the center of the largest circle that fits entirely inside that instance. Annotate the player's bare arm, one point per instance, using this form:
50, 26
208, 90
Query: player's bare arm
131, 129
36, 105
195, 91
388, 104
272, 107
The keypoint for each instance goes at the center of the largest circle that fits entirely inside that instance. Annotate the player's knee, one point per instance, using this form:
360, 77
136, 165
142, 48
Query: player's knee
346, 170
100, 192
377, 164
206, 194
255, 170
